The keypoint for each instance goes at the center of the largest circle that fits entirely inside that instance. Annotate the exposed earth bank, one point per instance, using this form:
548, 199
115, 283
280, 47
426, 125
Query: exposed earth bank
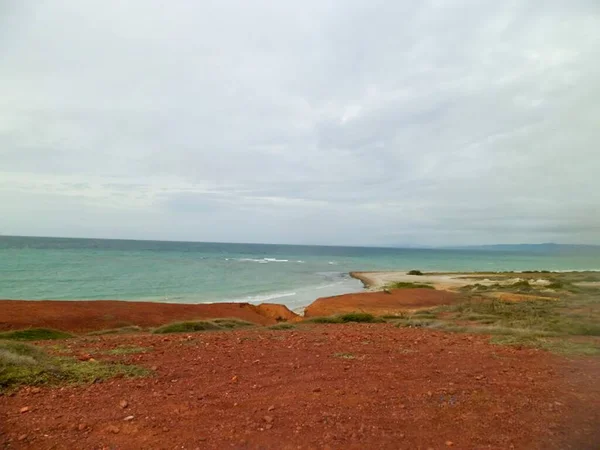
85, 316
380, 302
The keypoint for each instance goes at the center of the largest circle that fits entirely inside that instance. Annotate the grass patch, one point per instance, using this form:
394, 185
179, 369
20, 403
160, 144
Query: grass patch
127, 350
122, 330
344, 355
25, 364
34, 334
232, 323
536, 315
555, 345
203, 325
282, 326
408, 285
395, 316
187, 327
356, 317
416, 323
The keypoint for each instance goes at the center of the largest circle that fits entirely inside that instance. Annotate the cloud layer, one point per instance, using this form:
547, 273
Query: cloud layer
346, 122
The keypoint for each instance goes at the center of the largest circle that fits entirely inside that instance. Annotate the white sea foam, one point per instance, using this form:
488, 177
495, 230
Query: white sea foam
262, 260
261, 298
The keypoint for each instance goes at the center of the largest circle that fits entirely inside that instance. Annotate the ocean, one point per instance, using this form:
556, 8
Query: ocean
198, 272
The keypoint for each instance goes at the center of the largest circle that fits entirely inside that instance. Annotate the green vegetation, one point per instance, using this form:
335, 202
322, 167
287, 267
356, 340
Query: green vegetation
22, 363
344, 355
569, 323
347, 318
203, 325
232, 323
414, 272
408, 285
122, 330
127, 350
282, 326
34, 334
187, 327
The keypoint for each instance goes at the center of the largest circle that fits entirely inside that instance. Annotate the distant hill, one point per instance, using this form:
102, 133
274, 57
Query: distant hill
549, 247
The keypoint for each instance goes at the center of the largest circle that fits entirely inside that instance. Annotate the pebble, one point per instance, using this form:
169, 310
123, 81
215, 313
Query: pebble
271, 408
268, 419
113, 429
123, 404
24, 409
128, 418
449, 443
81, 426
22, 437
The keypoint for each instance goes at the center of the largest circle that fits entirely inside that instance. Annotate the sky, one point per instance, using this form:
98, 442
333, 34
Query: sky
340, 122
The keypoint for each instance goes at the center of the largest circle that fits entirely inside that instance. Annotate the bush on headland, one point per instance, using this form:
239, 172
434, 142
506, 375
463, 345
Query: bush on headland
356, 317
34, 334
414, 272
203, 325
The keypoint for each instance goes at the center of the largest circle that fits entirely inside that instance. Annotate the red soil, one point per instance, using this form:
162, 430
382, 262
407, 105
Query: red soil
355, 386
83, 316
381, 303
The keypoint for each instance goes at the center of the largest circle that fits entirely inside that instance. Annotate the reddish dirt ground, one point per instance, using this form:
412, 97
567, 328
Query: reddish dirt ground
354, 386
380, 302
84, 316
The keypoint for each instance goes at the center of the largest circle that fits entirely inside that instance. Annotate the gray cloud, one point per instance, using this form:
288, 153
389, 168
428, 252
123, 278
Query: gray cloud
345, 122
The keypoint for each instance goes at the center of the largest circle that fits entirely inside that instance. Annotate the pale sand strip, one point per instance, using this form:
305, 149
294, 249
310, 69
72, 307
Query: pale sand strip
445, 281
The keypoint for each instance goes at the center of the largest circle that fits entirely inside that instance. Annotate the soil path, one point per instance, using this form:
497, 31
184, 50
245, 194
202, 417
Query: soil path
355, 386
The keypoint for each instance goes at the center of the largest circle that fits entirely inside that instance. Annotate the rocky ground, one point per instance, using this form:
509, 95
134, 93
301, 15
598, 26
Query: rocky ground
362, 386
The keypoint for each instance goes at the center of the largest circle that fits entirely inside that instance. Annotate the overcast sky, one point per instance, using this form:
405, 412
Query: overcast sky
368, 122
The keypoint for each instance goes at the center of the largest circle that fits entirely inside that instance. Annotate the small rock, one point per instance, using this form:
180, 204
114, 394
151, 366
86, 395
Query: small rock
165, 429
234, 379
22, 437
449, 443
269, 426
268, 419
128, 418
154, 368
81, 426
271, 408
113, 429
36, 390
24, 409
123, 404
317, 389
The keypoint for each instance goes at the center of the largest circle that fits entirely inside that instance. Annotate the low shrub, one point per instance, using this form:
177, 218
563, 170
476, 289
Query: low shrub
414, 272
25, 364
408, 285
187, 327
347, 318
34, 334
282, 326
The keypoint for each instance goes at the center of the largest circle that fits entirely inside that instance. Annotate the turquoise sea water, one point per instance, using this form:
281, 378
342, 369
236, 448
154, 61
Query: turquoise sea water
192, 272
